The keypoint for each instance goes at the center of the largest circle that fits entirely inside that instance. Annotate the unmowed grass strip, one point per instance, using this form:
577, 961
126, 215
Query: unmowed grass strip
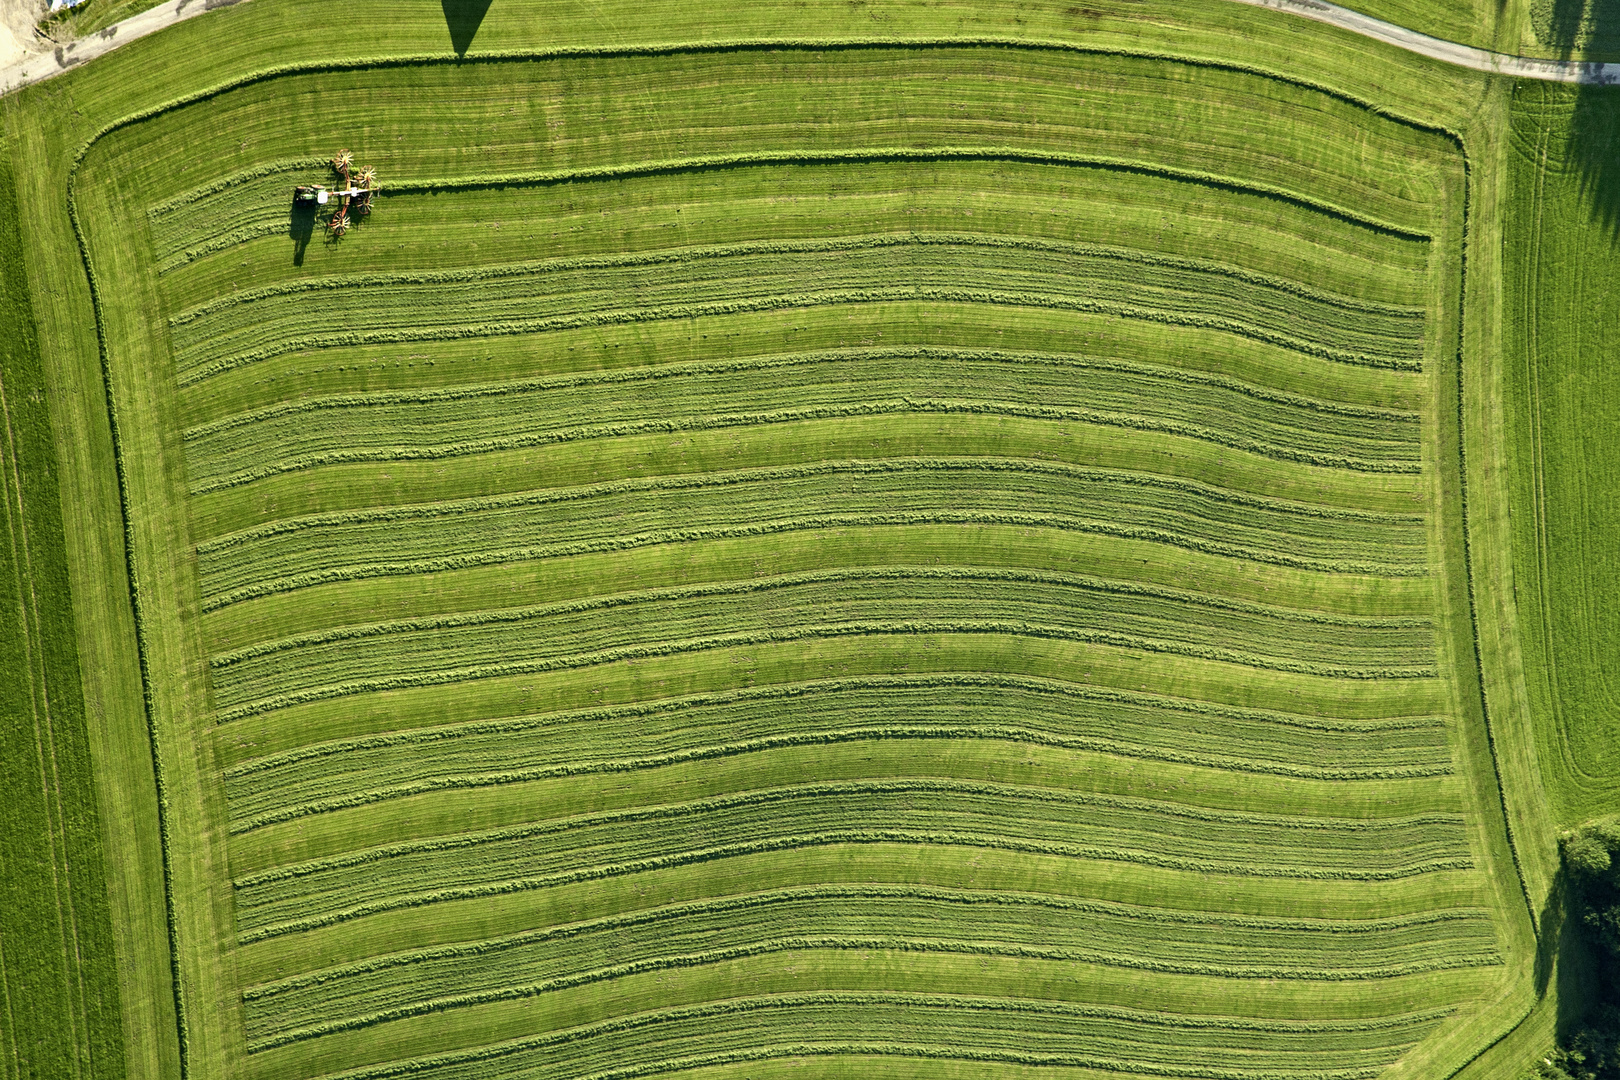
718, 97
61, 1010
1560, 244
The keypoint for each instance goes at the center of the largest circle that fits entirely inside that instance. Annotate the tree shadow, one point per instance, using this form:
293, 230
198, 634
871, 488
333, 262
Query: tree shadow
1565, 953
1577, 28
1593, 149
300, 228
463, 17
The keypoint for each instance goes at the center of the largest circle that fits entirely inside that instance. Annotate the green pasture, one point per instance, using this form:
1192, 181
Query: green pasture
864, 538
1561, 241
58, 966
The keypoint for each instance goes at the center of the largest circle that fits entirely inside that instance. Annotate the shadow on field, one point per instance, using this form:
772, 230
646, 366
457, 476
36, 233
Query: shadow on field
1565, 952
463, 18
1593, 149
1577, 27
300, 228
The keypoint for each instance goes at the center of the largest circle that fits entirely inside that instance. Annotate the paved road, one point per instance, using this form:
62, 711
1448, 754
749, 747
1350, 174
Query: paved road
43, 66
1519, 67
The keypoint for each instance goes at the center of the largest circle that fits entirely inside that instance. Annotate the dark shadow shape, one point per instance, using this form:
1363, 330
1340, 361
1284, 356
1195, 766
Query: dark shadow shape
1564, 950
1550, 933
1578, 28
300, 228
463, 17
1593, 149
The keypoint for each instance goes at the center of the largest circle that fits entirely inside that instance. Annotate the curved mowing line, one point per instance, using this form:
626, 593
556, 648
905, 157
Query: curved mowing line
293, 583
966, 897
740, 1008
680, 961
668, 312
812, 632
810, 687
769, 361
718, 422
876, 241
902, 1050
799, 792
778, 473
744, 586
1020, 736
793, 842
653, 374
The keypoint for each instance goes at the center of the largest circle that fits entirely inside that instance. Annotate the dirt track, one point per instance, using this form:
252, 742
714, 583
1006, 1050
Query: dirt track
43, 65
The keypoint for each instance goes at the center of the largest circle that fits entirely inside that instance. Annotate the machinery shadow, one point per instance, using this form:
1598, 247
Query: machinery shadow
300, 228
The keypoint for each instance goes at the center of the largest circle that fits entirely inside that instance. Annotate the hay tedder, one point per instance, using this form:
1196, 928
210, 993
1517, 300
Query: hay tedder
352, 195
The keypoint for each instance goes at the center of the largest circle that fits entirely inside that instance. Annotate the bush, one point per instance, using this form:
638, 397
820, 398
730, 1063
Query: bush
1593, 1051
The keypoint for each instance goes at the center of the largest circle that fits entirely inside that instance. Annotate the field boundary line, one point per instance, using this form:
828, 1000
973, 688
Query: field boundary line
137, 612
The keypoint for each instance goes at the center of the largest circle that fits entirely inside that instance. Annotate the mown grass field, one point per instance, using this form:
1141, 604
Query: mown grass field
930, 553
58, 972
1561, 242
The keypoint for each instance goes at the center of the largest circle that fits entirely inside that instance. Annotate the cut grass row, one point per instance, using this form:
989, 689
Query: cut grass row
639, 212
868, 600
313, 432
459, 365
304, 896
688, 283
299, 553
985, 922
333, 774
937, 1027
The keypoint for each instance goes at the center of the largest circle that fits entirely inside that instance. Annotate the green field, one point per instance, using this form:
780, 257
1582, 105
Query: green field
58, 975
1561, 246
859, 539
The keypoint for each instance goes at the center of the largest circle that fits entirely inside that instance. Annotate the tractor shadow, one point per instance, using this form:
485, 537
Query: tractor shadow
300, 228
463, 17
